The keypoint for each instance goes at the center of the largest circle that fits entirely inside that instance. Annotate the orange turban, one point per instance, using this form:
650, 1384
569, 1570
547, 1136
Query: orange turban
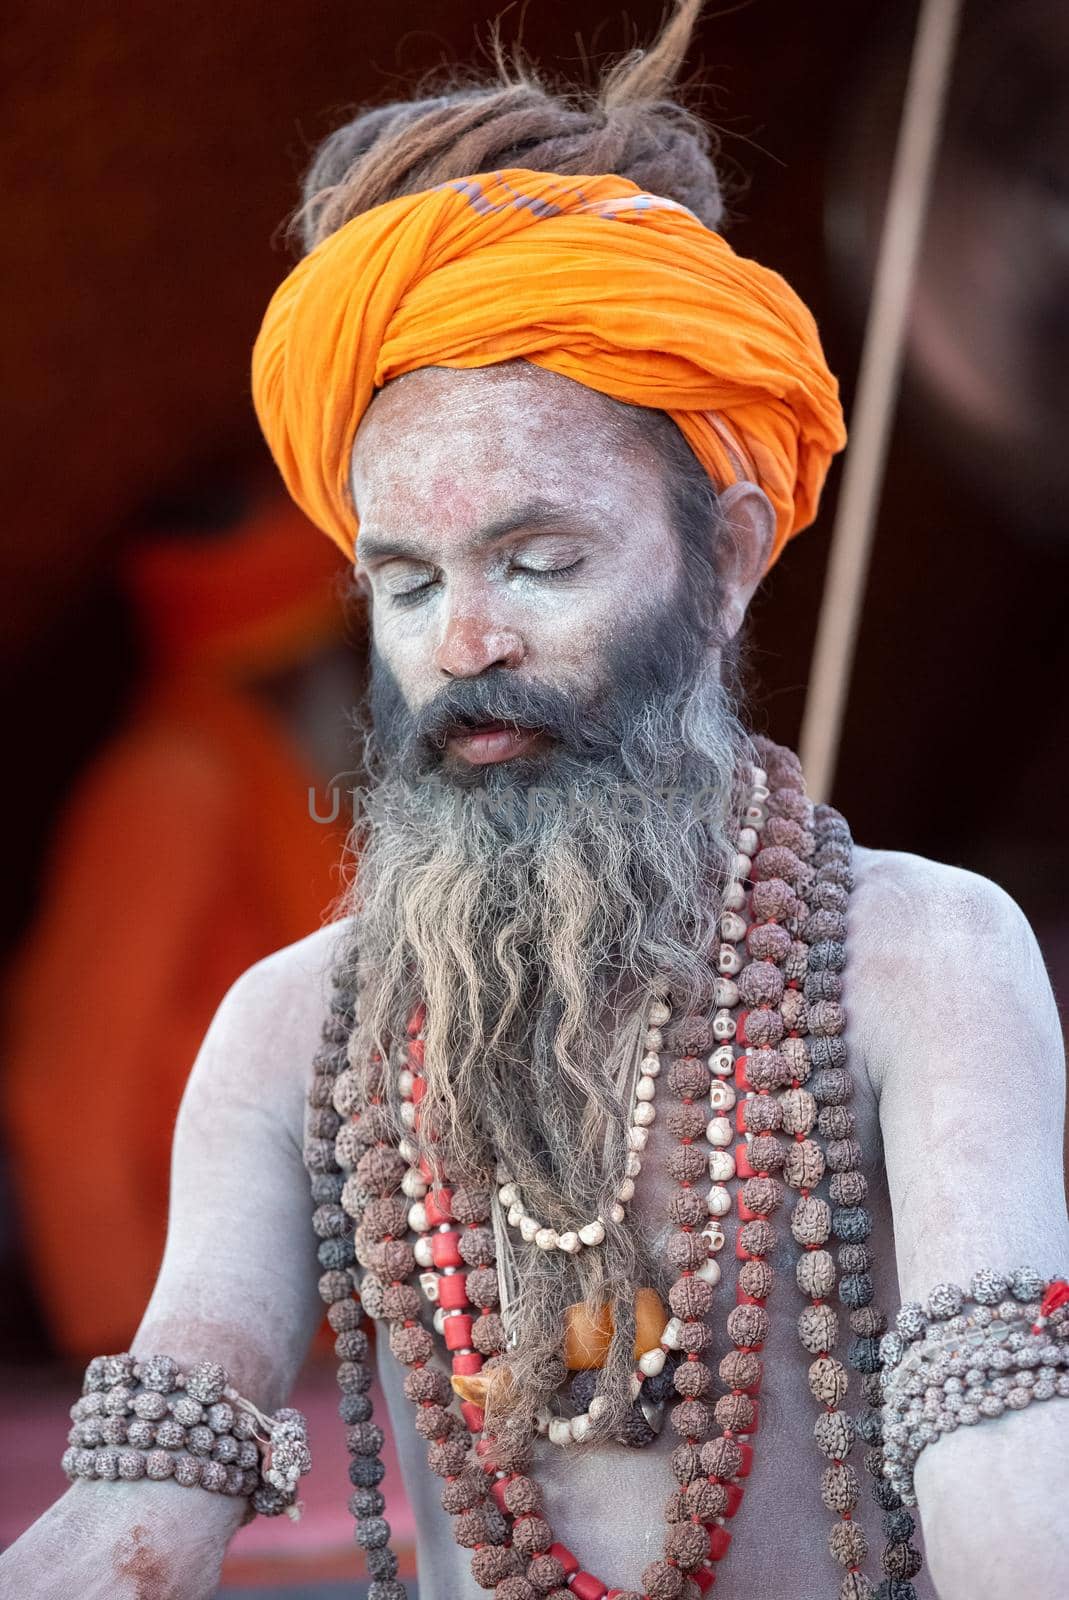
626, 292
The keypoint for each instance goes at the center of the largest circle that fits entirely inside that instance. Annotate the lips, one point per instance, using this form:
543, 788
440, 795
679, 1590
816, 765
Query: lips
490, 742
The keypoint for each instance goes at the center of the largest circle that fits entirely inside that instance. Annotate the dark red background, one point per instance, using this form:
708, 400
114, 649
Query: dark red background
151, 153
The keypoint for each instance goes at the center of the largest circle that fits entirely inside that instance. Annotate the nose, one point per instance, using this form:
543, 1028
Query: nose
472, 645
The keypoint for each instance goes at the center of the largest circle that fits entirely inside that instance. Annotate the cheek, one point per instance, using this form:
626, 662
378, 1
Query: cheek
404, 653
647, 560
575, 622
568, 632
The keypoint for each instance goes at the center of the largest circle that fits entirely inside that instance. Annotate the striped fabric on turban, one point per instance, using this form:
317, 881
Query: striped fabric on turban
626, 292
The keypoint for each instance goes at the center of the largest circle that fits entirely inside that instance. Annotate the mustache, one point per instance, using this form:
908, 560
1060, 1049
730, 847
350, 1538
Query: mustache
416, 738
589, 725
474, 702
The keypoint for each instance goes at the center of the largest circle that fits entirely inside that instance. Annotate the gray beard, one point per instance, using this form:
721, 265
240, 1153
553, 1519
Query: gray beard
534, 924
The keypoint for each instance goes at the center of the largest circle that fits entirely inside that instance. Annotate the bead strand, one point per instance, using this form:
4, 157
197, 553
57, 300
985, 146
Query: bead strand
757, 1160
945, 1367
849, 1219
689, 1543
363, 1130
463, 1261
811, 1218
643, 1114
146, 1418
476, 1493
825, 929
711, 1491
848, 1186
374, 1199
337, 1086
461, 1248
157, 1462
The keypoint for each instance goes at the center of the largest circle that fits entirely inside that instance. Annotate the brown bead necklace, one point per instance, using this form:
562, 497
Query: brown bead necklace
785, 1057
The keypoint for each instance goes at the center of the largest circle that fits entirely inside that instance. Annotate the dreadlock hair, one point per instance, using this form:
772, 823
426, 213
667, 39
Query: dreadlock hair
629, 125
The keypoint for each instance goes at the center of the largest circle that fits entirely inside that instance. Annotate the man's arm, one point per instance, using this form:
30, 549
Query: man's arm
237, 1285
954, 1018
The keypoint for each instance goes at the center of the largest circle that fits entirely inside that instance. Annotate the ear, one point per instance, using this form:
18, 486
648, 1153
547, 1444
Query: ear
359, 598
744, 548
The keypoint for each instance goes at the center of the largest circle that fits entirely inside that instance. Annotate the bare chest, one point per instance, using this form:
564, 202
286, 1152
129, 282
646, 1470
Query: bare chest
607, 1505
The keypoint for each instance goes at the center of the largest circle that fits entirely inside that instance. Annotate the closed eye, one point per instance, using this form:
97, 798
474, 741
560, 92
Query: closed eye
411, 597
547, 572
417, 592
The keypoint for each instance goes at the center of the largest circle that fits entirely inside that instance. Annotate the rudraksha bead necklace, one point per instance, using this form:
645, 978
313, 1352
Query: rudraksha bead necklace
788, 982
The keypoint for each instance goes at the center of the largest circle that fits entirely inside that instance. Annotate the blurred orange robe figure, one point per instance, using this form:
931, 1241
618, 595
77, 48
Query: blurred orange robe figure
187, 852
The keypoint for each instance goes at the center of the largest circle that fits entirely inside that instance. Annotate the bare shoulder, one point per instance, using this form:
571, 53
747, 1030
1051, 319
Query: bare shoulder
897, 895
281, 995
932, 945
267, 1027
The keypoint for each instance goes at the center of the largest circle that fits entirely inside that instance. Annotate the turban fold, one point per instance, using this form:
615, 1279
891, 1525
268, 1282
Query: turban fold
625, 292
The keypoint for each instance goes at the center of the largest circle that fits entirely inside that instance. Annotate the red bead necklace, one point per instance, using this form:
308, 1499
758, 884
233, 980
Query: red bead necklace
782, 1034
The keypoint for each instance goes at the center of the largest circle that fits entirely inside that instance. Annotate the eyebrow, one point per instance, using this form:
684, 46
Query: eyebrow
535, 514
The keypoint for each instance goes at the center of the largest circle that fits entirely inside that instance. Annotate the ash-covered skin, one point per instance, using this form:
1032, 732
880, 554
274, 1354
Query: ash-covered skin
955, 1049
566, 586
532, 914
547, 600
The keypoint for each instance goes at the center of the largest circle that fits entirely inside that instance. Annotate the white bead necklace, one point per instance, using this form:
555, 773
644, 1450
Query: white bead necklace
720, 1130
643, 1115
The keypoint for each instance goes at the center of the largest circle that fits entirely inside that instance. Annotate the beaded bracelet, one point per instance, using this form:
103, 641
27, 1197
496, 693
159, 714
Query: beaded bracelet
946, 1366
194, 1427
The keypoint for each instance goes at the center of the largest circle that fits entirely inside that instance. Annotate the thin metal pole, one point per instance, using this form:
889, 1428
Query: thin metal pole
877, 391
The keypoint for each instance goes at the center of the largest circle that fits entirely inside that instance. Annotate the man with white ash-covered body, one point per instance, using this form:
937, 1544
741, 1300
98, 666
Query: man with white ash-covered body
663, 1132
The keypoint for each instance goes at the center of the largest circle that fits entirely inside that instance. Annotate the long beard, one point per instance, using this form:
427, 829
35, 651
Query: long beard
534, 920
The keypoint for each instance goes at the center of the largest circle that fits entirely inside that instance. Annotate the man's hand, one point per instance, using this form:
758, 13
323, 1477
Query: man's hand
237, 1285
123, 1541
